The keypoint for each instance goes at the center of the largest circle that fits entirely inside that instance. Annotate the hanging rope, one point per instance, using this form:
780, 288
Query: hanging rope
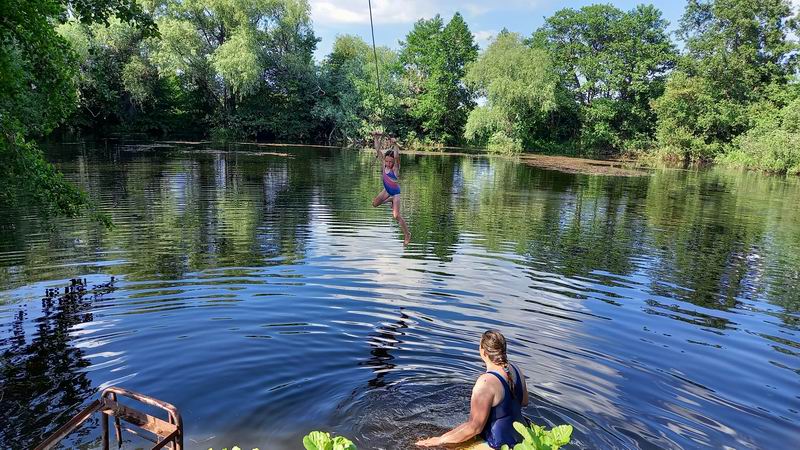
377, 71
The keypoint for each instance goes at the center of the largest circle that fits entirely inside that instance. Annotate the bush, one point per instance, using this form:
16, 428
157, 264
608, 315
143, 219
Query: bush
503, 144
695, 122
776, 151
773, 145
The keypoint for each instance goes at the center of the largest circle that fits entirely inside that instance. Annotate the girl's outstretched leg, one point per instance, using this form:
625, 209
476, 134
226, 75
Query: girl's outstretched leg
400, 220
382, 198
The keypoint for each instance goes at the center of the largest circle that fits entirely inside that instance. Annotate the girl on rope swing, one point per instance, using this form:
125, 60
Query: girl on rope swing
391, 186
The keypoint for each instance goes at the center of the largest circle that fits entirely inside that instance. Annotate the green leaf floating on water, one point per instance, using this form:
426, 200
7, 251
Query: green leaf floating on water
342, 443
232, 448
317, 440
539, 438
561, 434
525, 432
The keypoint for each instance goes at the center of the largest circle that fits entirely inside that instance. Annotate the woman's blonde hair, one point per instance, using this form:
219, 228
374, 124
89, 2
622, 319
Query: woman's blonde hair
494, 344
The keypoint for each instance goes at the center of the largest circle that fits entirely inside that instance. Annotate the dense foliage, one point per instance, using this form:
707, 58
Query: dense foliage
37, 91
611, 65
434, 59
519, 85
595, 81
738, 62
349, 105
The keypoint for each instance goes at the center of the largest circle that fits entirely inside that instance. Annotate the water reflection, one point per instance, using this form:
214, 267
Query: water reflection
659, 311
387, 336
43, 379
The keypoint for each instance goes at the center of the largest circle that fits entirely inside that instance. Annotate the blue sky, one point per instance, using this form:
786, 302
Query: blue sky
394, 18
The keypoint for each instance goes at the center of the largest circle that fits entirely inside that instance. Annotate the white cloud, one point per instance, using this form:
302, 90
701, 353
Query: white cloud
483, 37
473, 9
328, 12
331, 12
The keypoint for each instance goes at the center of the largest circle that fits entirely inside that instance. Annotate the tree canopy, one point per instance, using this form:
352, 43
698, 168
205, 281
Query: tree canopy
38, 91
738, 58
434, 58
519, 85
613, 64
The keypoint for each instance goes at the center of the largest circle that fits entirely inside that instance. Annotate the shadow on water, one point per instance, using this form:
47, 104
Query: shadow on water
387, 337
261, 293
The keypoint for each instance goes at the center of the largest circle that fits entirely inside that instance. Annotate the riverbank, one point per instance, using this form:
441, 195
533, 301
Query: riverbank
610, 167
632, 165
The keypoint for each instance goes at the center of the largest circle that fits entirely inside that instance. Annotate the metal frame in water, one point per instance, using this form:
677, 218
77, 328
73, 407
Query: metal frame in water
168, 433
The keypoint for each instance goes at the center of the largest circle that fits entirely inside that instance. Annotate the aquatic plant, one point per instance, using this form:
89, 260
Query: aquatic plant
318, 440
539, 438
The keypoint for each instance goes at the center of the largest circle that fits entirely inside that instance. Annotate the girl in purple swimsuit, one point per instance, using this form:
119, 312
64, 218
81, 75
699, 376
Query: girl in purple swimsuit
391, 185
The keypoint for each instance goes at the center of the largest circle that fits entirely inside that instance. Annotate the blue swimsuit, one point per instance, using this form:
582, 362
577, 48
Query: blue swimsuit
499, 429
390, 183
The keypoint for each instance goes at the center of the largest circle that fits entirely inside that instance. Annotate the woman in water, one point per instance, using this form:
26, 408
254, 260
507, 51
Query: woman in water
497, 400
391, 185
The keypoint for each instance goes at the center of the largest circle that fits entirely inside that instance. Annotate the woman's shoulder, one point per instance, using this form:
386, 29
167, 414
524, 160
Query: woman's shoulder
488, 379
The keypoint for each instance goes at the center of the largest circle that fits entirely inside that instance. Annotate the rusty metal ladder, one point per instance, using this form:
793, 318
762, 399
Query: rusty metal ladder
168, 433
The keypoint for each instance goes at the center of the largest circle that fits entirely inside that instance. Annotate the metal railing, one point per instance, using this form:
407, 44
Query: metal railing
168, 433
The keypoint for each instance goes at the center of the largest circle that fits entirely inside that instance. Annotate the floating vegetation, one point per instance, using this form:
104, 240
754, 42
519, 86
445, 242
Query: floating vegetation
320, 440
539, 438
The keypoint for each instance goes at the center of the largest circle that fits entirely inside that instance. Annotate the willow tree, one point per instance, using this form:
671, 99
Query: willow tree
232, 54
519, 84
119, 88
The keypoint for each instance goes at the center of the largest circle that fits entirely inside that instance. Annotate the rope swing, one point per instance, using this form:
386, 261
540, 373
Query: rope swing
377, 71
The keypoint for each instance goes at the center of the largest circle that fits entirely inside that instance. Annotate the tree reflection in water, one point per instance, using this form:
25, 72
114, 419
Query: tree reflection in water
43, 378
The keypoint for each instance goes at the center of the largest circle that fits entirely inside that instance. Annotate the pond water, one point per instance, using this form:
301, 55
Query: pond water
258, 290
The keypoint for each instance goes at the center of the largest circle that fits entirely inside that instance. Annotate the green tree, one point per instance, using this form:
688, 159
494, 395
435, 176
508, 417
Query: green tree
118, 86
435, 58
37, 92
349, 106
248, 65
737, 54
339, 109
613, 64
519, 84
773, 144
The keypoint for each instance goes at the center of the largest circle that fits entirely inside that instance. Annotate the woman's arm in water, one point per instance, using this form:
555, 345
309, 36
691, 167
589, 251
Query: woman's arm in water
480, 407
